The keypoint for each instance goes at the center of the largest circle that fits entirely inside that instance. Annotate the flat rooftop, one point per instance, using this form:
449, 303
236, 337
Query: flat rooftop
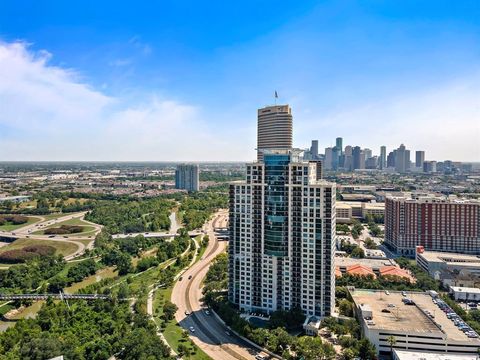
417, 355
462, 289
408, 318
372, 263
451, 258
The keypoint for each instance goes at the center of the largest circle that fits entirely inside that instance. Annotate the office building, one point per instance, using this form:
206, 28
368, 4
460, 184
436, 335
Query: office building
419, 159
430, 166
339, 145
434, 222
187, 177
328, 159
438, 264
282, 237
415, 321
368, 153
314, 149
348, 158
358, 158
383, 157
402, 159
371, 162
391, 159
274, 128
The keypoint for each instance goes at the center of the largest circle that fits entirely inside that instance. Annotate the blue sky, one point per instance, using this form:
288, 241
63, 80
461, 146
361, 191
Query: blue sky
181, 80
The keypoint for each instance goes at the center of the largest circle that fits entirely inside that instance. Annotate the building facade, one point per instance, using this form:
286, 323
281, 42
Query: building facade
419, 159
274, 128
187, 177
282, 237
436, 223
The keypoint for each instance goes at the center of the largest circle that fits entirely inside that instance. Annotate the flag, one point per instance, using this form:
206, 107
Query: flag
276, 95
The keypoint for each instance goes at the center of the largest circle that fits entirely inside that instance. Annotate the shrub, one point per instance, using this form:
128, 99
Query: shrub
64, 229
26, 253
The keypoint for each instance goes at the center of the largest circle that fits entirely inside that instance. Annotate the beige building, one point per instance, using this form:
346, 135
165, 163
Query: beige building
420, 326
274, 128
349, 210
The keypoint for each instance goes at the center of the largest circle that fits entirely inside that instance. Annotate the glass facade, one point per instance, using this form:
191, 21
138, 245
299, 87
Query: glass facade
276, 204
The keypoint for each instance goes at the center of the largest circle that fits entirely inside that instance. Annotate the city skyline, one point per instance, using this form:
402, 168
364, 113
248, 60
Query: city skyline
161, 90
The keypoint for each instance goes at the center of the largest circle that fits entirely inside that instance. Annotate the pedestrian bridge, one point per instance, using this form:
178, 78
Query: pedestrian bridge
60, 296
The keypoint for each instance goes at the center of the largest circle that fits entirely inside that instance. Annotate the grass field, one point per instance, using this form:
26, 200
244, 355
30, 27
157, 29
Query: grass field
11, 227
88, 230
63, 248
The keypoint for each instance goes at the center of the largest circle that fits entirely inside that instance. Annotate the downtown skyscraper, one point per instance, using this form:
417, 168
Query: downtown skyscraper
282, 236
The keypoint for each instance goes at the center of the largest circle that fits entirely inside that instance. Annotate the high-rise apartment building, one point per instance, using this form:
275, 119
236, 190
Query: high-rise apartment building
383, 157
282, 231
419, 159
436, 223
187, 177
274, 128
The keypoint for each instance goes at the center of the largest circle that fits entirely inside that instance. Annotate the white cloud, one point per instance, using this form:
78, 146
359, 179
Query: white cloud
47, 113
444, 121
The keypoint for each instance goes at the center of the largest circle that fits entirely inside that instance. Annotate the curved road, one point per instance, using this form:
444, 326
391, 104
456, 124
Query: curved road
26, 232
210, 335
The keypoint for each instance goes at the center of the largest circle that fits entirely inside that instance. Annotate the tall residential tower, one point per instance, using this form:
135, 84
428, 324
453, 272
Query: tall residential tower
274, 128
282, 236
187, 177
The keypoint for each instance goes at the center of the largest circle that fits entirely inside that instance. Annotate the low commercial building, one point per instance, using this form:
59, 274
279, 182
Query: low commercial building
421, 355
465, 294
418, 327
347, 211
434, 262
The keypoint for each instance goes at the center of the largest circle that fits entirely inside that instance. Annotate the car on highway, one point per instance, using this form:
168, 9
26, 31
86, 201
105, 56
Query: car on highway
259, 357
189, 277
187, 312
51, 236
180, 278
192, 329
207, 312
228, 333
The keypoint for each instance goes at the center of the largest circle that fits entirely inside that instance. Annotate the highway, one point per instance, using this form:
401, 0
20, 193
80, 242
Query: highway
210, 335
25, 232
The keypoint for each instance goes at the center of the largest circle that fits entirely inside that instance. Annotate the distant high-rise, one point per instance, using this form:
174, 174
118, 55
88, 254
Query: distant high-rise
282, 237
274, 129
348, 160
383, 157
358, 158
391, 158
368, 153
187, 177
328, 159
402, 159
419, 159
314, 149
339, 145
430, 166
